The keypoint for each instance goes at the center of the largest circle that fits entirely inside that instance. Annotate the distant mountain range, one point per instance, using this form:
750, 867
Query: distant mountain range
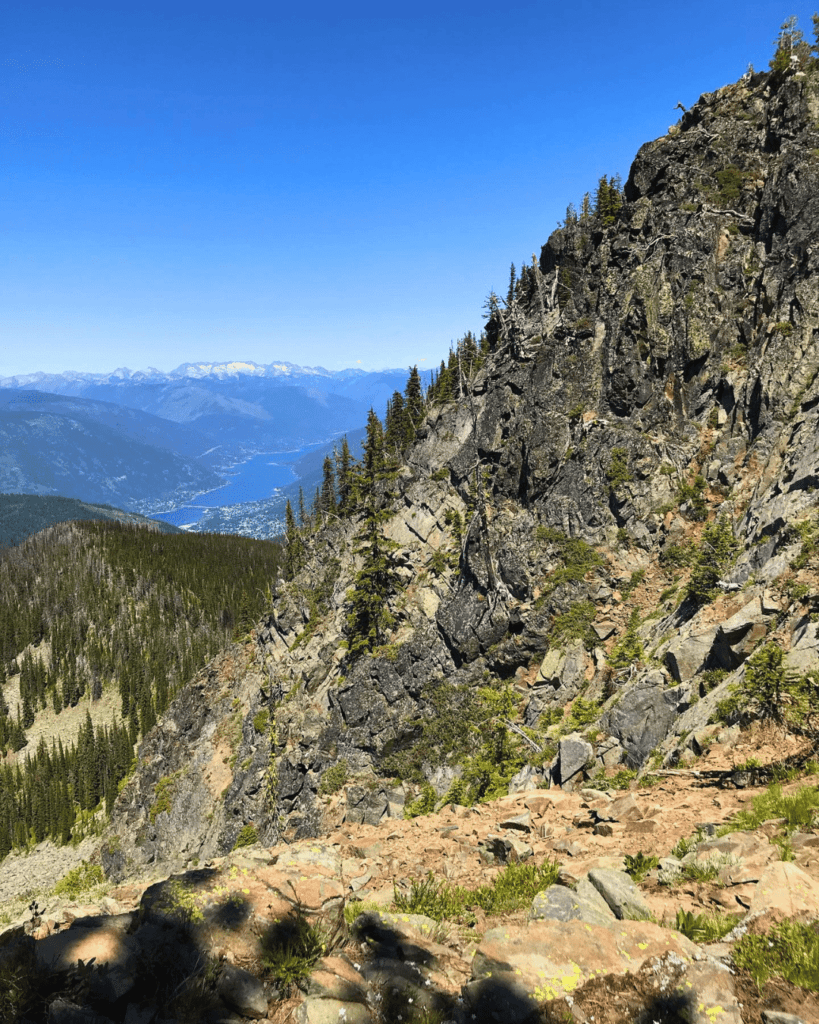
128, 437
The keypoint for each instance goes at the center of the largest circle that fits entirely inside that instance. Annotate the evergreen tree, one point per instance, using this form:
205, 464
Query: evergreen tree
293, 551
377, 581
608, 199
344, 477
791, 48
414, 403
396, 427
717, 549
510, 295
328, 486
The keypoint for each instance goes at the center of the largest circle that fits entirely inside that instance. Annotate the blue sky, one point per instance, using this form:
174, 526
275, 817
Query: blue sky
334, 184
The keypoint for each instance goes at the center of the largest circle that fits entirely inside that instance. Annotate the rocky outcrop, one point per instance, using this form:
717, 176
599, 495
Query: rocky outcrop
648, 375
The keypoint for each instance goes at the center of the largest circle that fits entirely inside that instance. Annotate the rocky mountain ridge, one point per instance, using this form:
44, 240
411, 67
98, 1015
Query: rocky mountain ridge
648, 376
612, 514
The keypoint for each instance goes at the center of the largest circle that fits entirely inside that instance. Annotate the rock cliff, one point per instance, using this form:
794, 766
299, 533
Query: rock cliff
647, 379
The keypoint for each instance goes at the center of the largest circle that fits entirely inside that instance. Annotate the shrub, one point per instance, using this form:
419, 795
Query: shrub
716, 554
639, 865
618, 472
575, 624
678, 556
333, 779
248, 836
261, 720
630, 649
693, 494
79, 880
423, 804
583, 712
730, 184
577, 556
164, 793
765, 689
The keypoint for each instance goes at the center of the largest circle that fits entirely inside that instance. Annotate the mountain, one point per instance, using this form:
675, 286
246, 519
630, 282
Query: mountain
599, 514
564, 607
22, 515
94, 451
237, 406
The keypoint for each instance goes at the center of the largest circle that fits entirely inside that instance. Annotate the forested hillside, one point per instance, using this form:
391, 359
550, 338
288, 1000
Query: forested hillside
93, 609
21, 515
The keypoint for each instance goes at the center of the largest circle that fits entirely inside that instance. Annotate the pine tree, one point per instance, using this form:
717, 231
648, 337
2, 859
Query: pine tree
292, 545
396, 427
791, 47
414, 403
344, 477
328, 486
377, 581
510, 295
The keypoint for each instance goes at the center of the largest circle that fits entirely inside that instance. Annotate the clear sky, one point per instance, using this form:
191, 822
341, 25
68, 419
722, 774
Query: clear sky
327, 183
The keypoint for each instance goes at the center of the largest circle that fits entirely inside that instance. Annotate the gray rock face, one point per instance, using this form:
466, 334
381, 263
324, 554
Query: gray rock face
644, 716
561, 904
621, 894
691, 317
574, 756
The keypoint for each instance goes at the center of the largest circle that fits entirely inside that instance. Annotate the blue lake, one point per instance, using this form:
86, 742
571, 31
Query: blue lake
253, 480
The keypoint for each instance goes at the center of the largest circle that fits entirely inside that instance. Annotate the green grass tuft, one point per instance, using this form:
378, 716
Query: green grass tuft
790, 950
515, 887
705, 927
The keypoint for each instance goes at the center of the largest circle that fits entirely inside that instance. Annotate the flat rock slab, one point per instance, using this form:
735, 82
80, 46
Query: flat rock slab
552, 958
311, 888
61, 951
320, 857
787, 888
335, 978
331, 1011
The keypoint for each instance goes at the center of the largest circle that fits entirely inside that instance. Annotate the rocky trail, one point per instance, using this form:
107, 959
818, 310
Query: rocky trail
594, 947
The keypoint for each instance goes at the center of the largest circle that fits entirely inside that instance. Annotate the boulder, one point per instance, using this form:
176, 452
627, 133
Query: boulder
331, 1011
558, 903
620, 893
714, 997
687, 655
786, 888
550, 959
242, 991
573, 756
644, 715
